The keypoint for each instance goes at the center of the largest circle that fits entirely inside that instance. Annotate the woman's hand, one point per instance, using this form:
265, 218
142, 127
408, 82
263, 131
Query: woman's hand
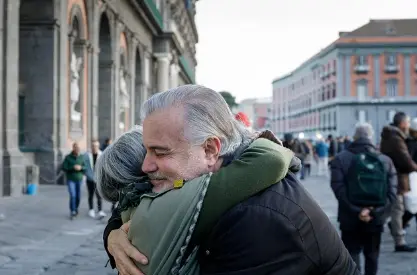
123, 251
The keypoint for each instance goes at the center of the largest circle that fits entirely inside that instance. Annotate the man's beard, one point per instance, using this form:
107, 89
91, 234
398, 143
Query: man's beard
162, 186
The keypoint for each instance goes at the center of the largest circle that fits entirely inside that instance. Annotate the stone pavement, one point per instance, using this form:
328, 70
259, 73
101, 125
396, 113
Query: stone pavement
390, 263
37, 237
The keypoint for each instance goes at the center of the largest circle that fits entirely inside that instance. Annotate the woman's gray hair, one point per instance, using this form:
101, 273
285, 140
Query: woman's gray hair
206, 115
120, 164
363, 130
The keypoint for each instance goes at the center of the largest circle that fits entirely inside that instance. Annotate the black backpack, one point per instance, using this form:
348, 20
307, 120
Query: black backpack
367, 180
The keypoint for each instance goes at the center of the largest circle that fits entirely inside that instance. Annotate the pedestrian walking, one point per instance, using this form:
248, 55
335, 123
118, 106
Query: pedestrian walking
90, 162
333, 149
322, 152
363, 181
393, 144
308, 160
107, 143
296, 146
74, 168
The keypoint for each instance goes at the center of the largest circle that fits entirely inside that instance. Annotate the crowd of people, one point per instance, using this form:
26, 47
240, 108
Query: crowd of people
374, 185
318, 151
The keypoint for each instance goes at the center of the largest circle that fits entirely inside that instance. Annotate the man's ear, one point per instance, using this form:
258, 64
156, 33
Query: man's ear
212, 148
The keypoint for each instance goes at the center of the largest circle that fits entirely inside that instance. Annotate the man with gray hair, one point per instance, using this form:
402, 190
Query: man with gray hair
190, 131
362, 210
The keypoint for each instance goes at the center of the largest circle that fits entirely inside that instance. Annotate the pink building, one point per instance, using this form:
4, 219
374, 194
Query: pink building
262, 113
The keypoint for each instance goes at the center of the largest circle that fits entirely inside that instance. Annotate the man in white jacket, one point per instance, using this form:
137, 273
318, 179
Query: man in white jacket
91, 158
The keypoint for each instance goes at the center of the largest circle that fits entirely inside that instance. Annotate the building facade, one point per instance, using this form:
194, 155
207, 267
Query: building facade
365, 75
246, 106
74, 70
262, 114
258, 111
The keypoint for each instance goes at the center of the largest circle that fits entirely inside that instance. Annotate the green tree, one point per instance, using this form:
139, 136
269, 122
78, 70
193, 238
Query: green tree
230, 99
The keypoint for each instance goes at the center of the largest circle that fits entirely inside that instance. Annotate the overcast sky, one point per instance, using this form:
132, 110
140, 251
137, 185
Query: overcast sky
245, 44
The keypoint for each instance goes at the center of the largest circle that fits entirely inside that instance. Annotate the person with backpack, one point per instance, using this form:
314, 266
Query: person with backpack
364, 183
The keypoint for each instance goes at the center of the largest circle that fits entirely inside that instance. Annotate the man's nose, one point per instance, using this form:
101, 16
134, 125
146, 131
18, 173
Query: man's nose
149, 164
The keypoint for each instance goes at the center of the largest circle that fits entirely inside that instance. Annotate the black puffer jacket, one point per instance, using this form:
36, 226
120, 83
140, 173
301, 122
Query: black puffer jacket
280, 231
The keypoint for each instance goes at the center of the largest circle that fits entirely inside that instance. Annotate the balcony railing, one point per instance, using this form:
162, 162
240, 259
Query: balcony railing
391, 68
361, 68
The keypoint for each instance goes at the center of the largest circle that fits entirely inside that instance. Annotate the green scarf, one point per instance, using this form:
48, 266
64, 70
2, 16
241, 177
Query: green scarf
167, 221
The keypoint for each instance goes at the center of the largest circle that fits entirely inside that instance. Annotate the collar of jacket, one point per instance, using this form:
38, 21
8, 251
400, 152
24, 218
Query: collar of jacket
396, 130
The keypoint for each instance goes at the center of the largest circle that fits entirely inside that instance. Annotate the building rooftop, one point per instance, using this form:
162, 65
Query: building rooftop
374, 28
384, 27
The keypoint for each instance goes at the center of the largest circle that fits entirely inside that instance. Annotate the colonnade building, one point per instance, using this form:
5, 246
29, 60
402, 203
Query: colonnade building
73, 70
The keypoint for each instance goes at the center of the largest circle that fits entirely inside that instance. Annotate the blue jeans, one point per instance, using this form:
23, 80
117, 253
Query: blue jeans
74, 189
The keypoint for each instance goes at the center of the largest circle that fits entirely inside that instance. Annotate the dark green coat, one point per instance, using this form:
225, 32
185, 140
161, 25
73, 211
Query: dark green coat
68, 167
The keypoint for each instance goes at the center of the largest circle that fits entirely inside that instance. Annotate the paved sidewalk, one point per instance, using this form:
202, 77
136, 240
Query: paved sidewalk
390, 263
37, 237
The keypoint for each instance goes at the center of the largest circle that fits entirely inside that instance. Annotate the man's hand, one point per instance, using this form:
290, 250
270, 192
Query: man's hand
365, 215
123, 251
77, 167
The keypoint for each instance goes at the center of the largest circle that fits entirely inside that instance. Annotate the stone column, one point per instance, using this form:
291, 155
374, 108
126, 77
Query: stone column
134, 100
94, 29
164, 61
2, 68
93, 92
146, 76
105, 100
174, 70
115, 76
12, 173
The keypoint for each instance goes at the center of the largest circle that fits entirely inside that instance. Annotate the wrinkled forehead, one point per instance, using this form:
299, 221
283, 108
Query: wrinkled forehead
164, 126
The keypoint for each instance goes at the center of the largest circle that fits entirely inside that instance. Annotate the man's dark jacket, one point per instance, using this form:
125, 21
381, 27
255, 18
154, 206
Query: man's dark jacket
281, 230
393, 144
348, 214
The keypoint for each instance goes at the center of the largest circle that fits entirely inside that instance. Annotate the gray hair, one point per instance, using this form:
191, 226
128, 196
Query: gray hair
206, 115
363, 130
120, 164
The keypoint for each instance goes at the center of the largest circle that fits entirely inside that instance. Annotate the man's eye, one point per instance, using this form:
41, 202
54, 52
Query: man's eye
160, 153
